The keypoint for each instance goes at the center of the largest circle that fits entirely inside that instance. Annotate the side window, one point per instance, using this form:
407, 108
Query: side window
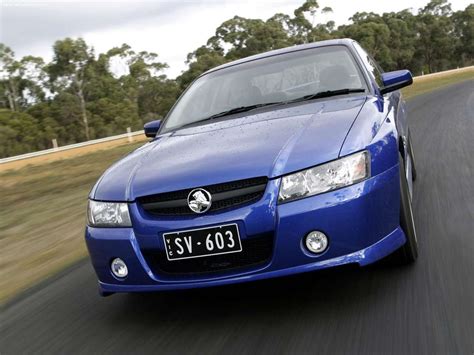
371, 65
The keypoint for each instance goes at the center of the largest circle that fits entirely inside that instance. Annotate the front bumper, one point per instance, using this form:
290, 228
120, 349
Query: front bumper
362, 222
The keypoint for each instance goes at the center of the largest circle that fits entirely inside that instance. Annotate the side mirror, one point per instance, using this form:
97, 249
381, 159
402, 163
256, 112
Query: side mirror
151, 128
395, 80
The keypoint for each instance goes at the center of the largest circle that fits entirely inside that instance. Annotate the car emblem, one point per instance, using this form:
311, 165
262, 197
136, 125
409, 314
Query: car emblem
199, 200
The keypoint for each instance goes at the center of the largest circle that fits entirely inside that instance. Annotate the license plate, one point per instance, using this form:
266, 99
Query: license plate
198, 243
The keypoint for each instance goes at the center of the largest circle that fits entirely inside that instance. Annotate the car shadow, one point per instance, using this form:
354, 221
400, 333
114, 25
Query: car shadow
331, 290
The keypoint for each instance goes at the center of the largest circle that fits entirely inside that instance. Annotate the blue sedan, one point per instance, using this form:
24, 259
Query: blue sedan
290, 161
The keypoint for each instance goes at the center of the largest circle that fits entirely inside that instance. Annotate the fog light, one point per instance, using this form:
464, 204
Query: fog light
316, 242
119, 268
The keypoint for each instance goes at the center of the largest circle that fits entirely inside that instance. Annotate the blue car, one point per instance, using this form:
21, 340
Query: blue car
289, 161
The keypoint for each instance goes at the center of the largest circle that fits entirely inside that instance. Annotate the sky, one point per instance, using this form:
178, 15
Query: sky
170, 28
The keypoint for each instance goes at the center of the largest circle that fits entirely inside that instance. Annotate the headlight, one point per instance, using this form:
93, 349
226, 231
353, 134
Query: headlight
108, 214
330, 176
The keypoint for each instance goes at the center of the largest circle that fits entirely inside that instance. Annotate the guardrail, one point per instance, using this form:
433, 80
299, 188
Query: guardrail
128, 135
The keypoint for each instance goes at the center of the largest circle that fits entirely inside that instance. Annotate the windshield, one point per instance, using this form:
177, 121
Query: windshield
273, 79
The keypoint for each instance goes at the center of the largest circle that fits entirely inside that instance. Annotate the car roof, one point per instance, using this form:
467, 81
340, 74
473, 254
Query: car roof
330, 42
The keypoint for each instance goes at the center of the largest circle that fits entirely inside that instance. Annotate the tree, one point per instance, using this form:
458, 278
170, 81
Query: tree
301, 27
199, 61
245, 37
33, 83
19, 133
435, 44
10, 78
463, 23
402, 26
150, 91
21, 82
68, 70
370, 30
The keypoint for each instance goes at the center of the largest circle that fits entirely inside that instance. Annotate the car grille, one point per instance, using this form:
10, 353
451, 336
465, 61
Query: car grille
226, 195
255, 251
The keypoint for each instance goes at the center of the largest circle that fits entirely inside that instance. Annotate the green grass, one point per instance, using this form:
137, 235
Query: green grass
426, 84
43, 215
43, 208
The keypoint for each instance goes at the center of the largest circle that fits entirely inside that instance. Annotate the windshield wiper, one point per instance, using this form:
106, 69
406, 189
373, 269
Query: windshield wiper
327, 93
231, 112
253, 107
238, 110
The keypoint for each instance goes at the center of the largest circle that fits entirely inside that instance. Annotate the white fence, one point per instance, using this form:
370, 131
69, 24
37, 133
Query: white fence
128, 135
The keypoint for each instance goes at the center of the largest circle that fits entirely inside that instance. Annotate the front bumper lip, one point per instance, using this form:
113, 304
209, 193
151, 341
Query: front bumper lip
363, 257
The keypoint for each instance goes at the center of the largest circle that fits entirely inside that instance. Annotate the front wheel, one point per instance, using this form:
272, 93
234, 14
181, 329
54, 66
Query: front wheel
408, 253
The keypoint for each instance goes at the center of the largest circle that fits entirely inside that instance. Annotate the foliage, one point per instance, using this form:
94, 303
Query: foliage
82, 95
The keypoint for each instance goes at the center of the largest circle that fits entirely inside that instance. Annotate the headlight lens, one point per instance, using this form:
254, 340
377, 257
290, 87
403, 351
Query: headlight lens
334, 175
108, 214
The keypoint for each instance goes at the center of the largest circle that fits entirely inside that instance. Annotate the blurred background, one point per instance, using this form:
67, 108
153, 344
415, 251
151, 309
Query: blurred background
79, 70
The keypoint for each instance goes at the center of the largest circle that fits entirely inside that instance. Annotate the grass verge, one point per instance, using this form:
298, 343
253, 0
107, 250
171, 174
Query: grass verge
43, 207
43, 215
425, 84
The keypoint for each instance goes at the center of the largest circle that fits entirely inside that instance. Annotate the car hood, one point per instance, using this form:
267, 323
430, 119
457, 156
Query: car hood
271, 142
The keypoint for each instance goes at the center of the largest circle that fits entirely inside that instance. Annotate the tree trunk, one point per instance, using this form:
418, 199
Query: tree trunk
11, 102
12, 97
80, 94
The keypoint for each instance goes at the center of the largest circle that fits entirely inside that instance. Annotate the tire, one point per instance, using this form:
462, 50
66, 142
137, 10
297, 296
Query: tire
412, 157
408, 253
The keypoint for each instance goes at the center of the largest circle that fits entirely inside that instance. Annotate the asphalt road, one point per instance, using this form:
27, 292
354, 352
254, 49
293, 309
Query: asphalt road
427, 308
